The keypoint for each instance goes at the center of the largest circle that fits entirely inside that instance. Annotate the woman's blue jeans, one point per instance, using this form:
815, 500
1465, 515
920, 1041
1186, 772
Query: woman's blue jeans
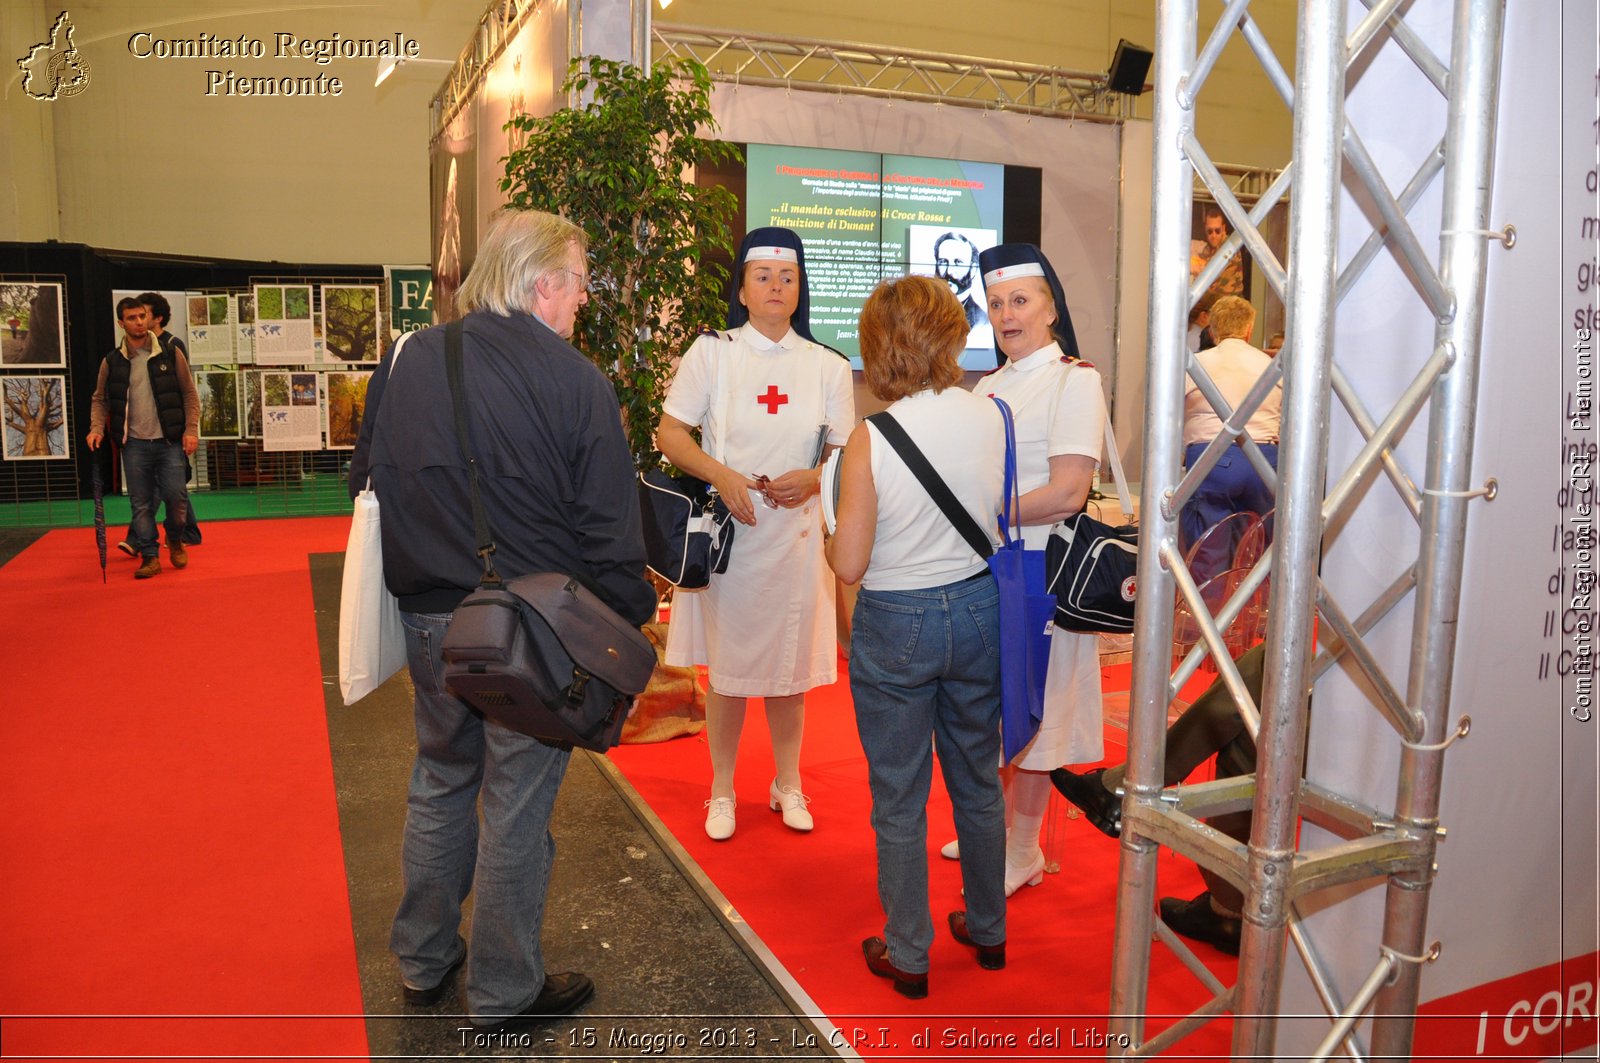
926, 664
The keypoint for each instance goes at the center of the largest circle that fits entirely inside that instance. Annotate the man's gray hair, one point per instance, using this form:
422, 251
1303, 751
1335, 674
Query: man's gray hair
521, 248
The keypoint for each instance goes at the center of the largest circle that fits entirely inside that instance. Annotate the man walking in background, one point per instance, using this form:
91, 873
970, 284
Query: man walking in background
188, 532
145, 399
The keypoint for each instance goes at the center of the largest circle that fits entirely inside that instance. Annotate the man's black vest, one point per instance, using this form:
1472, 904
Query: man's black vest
163, 367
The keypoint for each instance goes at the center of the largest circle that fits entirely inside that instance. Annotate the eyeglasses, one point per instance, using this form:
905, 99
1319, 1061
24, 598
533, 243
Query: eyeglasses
583, 279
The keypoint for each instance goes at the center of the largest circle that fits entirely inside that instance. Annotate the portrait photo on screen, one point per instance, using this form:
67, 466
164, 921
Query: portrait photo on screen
951, 254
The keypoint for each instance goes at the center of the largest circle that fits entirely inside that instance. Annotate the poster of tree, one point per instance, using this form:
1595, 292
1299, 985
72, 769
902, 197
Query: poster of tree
245, 315
35, 417
252, 405
347, 401
210, 329
219, 404
31, 330
291, 412
283, 324
350, 323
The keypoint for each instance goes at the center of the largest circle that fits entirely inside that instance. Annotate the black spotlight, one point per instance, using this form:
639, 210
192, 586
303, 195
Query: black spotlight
1129, 65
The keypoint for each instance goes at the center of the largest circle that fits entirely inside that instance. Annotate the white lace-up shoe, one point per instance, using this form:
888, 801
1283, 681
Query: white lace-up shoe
792, 803
719, 818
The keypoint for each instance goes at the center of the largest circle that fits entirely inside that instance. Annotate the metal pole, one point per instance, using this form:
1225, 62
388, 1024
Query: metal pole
1172, 192
1469, 167
1302, 467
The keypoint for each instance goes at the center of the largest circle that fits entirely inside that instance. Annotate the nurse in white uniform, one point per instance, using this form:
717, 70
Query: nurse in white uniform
769, 402
1060, 414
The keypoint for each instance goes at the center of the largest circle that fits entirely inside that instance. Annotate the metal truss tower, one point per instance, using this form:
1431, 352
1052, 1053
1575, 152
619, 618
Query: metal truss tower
1308, 628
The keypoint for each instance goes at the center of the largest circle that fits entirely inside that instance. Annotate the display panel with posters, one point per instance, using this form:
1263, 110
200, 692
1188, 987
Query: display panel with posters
291, 411
211, 329
864, 216
244, 346
350, 323
284, 333
31, 327
346, 403
219, 403
35, 411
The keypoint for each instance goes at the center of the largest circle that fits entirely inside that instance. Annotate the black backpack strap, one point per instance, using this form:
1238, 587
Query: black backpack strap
454, 373
931, 482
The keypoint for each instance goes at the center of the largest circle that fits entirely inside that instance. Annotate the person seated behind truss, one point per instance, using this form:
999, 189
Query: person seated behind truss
1211, 726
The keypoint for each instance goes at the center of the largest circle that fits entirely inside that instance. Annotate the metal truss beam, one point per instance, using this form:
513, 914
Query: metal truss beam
497, 27
894, 73
1308, 628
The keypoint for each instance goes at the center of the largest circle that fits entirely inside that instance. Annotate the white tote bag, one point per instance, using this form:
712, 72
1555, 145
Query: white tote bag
372, 641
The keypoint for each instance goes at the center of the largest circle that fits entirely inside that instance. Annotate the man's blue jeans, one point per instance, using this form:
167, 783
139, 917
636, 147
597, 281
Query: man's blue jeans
926, 663
156, 469
507, 867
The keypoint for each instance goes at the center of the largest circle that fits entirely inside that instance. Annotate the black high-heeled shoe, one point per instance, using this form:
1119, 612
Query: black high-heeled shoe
990, 957
876, 950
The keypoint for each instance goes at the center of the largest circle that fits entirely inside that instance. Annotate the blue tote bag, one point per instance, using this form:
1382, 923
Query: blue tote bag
1027, 612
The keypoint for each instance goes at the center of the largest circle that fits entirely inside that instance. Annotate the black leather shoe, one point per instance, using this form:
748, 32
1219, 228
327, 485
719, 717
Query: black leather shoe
876, 951
1100, 806
990, 957
427, 998
1198, 921
562, 995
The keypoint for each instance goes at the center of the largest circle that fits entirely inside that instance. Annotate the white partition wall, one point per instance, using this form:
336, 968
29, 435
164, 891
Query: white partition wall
1513, 906
1428, 888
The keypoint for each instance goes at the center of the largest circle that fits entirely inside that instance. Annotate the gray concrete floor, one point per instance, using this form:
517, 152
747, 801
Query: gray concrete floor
673, 976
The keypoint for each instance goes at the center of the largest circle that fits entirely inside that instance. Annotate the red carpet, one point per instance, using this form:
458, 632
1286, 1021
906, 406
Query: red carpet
171, 835
812, 898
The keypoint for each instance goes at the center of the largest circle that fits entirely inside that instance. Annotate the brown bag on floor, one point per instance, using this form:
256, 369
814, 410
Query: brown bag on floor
672, 705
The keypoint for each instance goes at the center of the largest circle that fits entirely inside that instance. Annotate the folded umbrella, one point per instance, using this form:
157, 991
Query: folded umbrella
99, 515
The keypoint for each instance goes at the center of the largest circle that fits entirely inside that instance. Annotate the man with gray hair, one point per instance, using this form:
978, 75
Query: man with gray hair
557, 481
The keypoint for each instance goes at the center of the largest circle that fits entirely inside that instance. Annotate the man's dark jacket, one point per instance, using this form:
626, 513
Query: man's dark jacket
165, 387
557, 477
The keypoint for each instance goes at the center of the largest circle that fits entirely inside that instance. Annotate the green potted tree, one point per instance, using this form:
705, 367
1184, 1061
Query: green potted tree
619, 166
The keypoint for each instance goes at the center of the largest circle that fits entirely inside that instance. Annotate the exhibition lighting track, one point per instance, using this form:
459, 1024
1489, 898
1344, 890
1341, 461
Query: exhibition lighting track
497, 27
1274, 870
894, 73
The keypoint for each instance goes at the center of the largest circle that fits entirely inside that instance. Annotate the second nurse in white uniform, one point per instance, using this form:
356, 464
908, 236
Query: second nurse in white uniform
768, 401
1060, 413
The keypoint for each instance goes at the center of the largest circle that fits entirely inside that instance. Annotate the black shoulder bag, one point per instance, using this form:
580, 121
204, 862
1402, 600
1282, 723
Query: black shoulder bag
539, 654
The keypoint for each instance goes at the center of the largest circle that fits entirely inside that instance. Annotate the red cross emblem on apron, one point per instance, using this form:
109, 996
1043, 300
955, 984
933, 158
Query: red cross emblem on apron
773, 398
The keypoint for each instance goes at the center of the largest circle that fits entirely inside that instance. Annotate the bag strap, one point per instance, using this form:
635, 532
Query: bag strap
455, 374
1012, 514
388, 374
1125, 499
931, 482
1116, 470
